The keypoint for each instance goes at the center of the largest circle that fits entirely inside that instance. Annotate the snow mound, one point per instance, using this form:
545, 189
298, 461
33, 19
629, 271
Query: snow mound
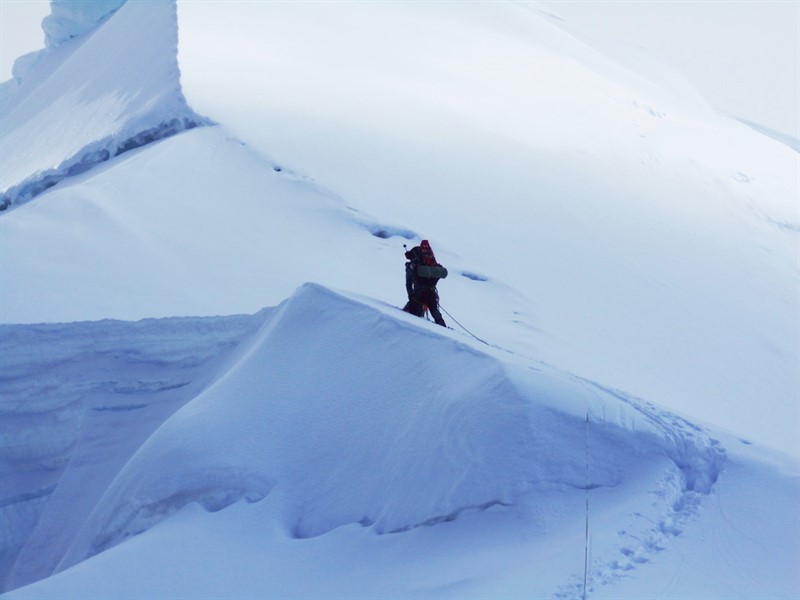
344, 410
93, 93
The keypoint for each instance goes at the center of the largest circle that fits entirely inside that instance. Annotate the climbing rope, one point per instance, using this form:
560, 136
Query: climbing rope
586, 535
462, 327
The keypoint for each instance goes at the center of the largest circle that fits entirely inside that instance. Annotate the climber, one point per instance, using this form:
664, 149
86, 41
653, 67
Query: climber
422, 275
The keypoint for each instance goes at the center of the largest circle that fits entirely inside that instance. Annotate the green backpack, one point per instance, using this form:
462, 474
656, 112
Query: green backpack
431, 272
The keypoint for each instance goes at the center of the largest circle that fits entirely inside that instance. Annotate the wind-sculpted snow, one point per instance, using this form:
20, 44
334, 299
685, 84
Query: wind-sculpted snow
77, 400
70, 18
602, 218
93, 93
342, 410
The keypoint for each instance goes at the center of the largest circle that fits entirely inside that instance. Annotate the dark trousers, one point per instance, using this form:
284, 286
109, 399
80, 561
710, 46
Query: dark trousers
422, 298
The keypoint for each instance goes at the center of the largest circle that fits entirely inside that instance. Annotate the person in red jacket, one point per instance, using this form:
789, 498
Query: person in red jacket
422, 275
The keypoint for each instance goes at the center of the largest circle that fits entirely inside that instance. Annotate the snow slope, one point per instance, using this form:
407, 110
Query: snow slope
214, 228
380, 469
93, 93
625, 231
648, 233
604, 230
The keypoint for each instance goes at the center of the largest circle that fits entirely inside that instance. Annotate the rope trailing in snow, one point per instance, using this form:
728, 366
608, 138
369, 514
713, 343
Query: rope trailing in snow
586, 537
462, 327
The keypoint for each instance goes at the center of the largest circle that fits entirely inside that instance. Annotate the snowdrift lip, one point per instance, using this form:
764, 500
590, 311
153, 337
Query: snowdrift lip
209, 492
91, 157
316, 412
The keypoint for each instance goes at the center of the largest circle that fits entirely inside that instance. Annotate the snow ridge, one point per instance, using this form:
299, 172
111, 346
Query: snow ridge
96, 153
789, 140
337, 437
58, 123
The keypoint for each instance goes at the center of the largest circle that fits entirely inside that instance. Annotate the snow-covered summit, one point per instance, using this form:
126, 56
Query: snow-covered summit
107, 82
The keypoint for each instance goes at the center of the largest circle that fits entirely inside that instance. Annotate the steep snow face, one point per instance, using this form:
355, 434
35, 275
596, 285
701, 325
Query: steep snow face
78, 400
93, 93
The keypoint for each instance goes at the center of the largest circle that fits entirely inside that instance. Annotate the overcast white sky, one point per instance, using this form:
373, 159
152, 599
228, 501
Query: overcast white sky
744, 56
20, 30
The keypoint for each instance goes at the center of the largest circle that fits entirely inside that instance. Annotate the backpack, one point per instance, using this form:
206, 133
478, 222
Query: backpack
426, 253
431, 272
429, 269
